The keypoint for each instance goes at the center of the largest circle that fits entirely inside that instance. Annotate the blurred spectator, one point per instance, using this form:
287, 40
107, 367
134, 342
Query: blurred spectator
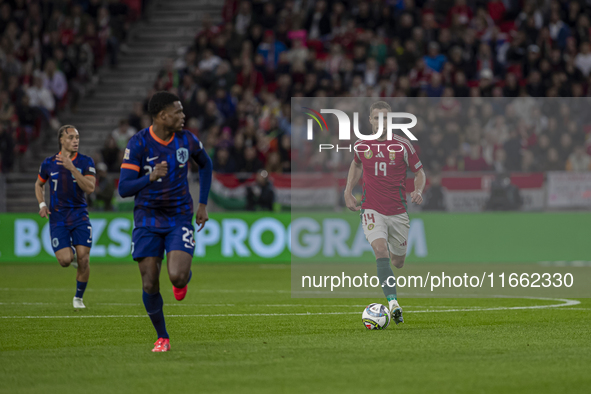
512, 148
474, 161
110, 154
583, 59
209, 62
528, 162
434, 60
553, 162
55, 80
318, 23
105, 187
579, 160
504, 196
270, 49
223, 162
135, 117
40, 97
123, 133
250, 162
434, 195
6, 149
261, 195
112, 29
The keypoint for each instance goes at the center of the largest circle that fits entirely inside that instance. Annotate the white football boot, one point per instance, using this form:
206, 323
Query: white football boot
78, 304
396, 312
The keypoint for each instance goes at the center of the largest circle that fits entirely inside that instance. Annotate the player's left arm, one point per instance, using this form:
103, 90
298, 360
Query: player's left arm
415, 165
86, 182
205, 176
416, 195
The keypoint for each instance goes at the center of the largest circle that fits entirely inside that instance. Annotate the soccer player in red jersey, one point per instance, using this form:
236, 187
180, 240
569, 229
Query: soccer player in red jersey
384, 218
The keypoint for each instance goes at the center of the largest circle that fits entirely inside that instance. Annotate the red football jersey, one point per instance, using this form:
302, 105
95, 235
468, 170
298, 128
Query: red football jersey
384, 173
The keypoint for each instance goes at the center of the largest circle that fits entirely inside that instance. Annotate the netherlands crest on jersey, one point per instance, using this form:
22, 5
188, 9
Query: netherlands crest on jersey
392, 155
182, 155
368, 154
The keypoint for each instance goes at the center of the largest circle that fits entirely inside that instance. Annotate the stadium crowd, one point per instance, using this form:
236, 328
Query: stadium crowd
236, 80
49, 55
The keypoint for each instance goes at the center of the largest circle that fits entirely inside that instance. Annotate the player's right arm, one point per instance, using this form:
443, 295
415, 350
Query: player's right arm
130, 181
40, 191
355, 172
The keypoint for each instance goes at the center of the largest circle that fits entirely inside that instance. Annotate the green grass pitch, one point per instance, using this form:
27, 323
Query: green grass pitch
239, 331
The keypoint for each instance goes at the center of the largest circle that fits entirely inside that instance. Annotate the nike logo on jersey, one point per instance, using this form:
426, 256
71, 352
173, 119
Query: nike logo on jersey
149, 159
381, 154
54, 173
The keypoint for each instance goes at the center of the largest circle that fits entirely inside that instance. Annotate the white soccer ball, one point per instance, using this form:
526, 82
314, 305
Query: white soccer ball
376, 317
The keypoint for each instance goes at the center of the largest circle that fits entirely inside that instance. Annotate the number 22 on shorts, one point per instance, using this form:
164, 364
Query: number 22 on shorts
188, 238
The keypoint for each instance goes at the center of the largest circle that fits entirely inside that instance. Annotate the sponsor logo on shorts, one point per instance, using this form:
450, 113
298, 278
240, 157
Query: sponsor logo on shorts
368, 154
370, 226
55, 242
403, 244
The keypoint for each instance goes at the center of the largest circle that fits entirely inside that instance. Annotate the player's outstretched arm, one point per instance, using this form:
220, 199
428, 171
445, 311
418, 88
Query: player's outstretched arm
40, 194
416, 196
353, 177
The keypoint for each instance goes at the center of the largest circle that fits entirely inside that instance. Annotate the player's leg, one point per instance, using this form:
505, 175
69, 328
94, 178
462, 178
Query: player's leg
179, 267
153, 302
60, 242
82, 274
179, 272
397, 261
376, 232
398, 226
148, 251
385, 273
180, 246
64, 256
82, 241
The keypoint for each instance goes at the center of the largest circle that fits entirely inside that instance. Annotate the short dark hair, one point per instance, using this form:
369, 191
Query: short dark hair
160, 101
60, 132
380, 105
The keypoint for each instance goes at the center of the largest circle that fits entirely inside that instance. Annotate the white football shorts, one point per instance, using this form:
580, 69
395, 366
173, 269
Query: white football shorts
394, 229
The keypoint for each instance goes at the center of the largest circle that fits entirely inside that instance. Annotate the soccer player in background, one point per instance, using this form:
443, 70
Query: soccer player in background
154, 169
72, 175
384, 218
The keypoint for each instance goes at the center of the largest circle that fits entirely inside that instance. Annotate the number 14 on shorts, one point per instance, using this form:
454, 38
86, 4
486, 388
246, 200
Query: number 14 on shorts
368, 217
